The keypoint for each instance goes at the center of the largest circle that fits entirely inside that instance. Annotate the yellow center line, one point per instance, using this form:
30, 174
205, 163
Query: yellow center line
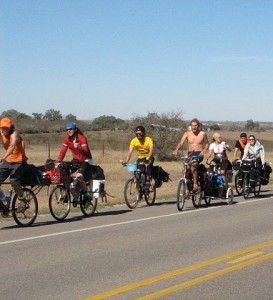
246, 257
209, 276
157, 278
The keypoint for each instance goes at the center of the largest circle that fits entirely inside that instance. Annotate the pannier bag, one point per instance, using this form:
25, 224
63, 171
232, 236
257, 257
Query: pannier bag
97, 173
254, 177
265, 174
236, 164
35, 176
247, 165
159, 175
59, 175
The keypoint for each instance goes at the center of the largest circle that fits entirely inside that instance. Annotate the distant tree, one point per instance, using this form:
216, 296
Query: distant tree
52, 115
251, 125
23, 116
107, 123
37, 116
70, 117
12, 113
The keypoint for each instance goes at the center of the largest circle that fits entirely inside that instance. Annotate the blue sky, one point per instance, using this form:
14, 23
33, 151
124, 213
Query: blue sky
207, 59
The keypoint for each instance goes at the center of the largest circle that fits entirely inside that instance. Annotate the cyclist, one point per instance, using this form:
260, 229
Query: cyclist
219, 150
240, 146
13, 162
76, 141
198, 144
254, 150
145, 150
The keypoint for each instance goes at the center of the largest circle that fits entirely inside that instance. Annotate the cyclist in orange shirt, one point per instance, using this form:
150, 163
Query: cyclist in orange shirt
13, 162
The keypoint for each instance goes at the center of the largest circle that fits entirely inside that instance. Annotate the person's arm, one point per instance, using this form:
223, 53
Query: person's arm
81, 145
245, 152
129, 154
180, 144
235, 153
14, 140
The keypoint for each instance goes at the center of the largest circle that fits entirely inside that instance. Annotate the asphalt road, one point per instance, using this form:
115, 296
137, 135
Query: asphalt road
216, 252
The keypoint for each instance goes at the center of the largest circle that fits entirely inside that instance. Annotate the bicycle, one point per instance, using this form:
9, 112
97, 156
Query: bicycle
251, 181
25, 211
215, 186
185, 186
61, 199
136, 188
239, 176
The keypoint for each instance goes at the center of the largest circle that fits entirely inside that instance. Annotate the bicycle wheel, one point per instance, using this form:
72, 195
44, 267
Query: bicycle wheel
131, 193
239, 183
150, 194
207, 200
257, 189
197, 198
181, 194
246, 186
25, 211
88, 207
229, 195
59, 202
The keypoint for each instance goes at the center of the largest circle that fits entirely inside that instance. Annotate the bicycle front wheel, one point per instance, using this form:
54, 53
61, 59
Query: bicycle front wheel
257, 189
150, 195
239, 183
25, 211
246, 186
131, 193
59, 202
181, 194
197, 198
89, 206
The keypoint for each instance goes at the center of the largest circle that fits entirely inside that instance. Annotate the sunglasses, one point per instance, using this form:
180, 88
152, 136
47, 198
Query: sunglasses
69, 129
252, 139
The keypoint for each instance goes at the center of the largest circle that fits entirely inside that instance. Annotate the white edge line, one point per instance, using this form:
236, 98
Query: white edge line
120, 223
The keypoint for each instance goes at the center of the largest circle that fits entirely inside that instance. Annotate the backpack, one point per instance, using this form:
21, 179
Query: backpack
159, 175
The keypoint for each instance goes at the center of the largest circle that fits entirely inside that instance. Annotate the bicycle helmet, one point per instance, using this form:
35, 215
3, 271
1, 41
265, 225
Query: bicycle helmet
6, 122
70, 125
140, 128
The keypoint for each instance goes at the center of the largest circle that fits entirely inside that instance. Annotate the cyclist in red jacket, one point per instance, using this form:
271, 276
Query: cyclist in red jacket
78, 145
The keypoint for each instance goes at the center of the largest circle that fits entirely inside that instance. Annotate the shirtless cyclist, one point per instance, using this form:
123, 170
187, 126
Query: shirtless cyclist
198, 145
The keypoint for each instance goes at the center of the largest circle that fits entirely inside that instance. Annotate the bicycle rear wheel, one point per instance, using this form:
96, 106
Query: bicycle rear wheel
89, 206
131, 193
59, 202
229, 195
150, 195
181, 194
25, 211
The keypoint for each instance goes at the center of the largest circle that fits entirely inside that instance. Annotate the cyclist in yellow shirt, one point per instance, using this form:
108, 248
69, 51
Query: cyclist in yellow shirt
145, 149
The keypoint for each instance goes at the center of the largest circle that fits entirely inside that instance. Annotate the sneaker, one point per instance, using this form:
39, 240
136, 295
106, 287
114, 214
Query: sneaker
22, 198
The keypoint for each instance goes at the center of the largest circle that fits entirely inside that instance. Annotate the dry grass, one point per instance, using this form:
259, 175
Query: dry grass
116, 175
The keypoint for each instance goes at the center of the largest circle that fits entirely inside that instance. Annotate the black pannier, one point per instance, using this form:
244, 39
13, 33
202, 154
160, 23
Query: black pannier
247, 165
35, 176
265, 174
159, 175
97, 173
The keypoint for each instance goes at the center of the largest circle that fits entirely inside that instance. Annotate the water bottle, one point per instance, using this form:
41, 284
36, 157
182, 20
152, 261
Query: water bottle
7, 198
